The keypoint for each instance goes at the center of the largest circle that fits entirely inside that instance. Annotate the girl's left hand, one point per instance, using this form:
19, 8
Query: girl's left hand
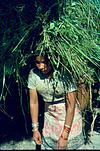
62, 142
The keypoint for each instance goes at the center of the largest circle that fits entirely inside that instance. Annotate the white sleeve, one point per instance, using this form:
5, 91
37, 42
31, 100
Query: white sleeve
32, 80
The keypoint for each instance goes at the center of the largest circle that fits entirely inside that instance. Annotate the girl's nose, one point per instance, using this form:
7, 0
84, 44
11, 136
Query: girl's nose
41, 66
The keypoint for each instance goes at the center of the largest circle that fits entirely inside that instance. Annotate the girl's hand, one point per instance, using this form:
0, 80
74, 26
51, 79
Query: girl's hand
63, 141
37, 137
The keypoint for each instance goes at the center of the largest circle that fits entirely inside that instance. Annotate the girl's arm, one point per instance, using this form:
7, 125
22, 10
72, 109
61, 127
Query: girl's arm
33, 105
70, 109
34, 111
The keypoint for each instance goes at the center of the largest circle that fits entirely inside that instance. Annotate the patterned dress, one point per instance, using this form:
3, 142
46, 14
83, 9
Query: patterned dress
53, 93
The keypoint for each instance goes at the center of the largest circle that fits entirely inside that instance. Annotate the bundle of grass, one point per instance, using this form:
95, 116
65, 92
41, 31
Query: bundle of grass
72, 43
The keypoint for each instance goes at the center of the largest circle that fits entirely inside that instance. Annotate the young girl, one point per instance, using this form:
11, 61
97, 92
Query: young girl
62, 118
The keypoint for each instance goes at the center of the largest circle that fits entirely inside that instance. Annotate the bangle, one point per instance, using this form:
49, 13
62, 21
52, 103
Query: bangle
67, 125
35, 126
67, 129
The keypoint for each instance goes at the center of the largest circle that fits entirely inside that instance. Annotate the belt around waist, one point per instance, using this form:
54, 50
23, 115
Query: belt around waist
55, 102
47, 104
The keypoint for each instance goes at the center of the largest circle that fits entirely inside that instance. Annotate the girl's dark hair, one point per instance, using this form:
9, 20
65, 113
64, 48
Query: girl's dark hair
41, 53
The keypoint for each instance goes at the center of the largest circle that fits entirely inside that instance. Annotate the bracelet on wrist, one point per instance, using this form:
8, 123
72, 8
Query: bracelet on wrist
35, 126
67, 129
67, 125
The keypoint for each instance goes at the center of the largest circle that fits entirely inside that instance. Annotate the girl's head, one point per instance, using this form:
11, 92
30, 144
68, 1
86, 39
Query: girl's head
43, 63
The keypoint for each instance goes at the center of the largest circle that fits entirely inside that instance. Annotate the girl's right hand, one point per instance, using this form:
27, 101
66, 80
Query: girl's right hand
37, 137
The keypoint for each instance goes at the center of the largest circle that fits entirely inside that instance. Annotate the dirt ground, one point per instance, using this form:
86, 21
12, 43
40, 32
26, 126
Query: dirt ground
28, 144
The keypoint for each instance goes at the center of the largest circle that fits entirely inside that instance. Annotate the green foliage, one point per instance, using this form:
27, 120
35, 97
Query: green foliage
69, 30
74, 38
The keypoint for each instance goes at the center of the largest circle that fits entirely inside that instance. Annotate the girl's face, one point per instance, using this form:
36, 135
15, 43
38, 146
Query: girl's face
43, 65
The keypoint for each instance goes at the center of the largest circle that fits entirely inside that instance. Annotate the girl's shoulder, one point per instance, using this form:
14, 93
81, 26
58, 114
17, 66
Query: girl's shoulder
36, 73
